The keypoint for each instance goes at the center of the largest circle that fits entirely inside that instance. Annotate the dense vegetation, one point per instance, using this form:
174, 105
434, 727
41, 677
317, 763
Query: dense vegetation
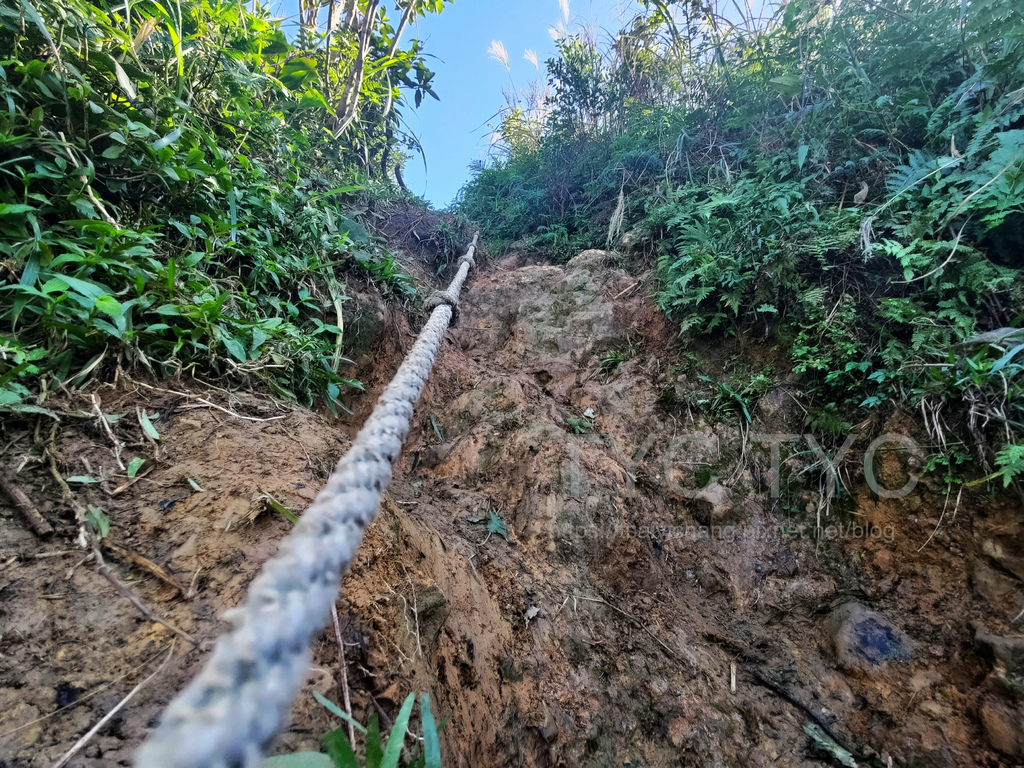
177, 181
844, 178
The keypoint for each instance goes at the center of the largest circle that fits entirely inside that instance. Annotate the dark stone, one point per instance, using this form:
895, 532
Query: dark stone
67, 694
785, 563
864, 640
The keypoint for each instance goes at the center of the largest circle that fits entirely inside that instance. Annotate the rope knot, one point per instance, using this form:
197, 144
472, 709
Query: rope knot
437, 298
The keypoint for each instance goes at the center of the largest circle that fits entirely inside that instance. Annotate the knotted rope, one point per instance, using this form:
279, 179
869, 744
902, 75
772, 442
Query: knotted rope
240, 699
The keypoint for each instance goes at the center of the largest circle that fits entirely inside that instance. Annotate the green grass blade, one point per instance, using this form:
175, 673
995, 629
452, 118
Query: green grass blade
340, 751
373, 751
299, 760
431, 745
394, 748
334, 709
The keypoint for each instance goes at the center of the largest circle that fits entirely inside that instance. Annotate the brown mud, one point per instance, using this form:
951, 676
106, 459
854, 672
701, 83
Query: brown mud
617, 619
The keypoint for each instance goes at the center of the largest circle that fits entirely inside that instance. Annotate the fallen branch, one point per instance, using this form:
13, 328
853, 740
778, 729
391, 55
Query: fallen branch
788, 695
148, 612
28, 510
133, 480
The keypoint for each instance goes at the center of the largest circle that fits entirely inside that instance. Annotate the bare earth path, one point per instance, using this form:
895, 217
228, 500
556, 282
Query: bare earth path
539, 566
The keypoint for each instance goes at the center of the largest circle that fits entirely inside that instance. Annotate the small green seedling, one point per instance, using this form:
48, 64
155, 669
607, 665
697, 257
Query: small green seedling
494, 525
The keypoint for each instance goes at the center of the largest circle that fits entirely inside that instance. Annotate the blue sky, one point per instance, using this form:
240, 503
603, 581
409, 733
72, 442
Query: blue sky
454, 130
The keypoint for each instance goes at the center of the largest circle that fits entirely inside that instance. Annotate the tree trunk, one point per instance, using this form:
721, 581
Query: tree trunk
347, 107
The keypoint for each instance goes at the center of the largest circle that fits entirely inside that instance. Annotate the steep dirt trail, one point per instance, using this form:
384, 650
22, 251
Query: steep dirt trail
605, 626
590, 637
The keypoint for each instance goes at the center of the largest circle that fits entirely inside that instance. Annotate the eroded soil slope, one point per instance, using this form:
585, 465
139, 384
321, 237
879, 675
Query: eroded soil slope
539, 564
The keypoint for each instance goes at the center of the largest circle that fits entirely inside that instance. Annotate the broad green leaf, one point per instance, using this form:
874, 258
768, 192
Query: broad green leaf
169, 139
313, 99
31, 12
787, 85
374, 754
13, 209
107, 328
124, 81
134, 466
496, 525
281, 509
147, 426
258, 338
98, 521
235, 348
841, 755
86, 288
31, 272
108, 305
801, 155
29, 408
1005, 359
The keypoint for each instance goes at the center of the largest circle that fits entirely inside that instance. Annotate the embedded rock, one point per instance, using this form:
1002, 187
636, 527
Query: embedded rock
865, 641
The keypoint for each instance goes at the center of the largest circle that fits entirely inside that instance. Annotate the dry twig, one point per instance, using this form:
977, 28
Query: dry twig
106, 718
87, 539
793, 699
105, 427
672, 654
145, 564
345, 697
206, 403
37, 522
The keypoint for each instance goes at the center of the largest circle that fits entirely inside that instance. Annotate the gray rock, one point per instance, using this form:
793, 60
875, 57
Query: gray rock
1003, 653
435, 454
1002, 725
714, 505
865, 641
994, 586
1007, 559
433, 612
589, 261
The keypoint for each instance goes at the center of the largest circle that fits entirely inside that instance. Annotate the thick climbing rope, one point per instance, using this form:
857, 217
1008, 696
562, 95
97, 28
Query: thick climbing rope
243, 695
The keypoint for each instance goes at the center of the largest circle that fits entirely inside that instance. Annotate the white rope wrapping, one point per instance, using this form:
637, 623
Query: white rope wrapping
243, 695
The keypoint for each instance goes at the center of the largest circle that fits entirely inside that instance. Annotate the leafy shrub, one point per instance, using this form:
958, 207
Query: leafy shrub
847, 180
172, 195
